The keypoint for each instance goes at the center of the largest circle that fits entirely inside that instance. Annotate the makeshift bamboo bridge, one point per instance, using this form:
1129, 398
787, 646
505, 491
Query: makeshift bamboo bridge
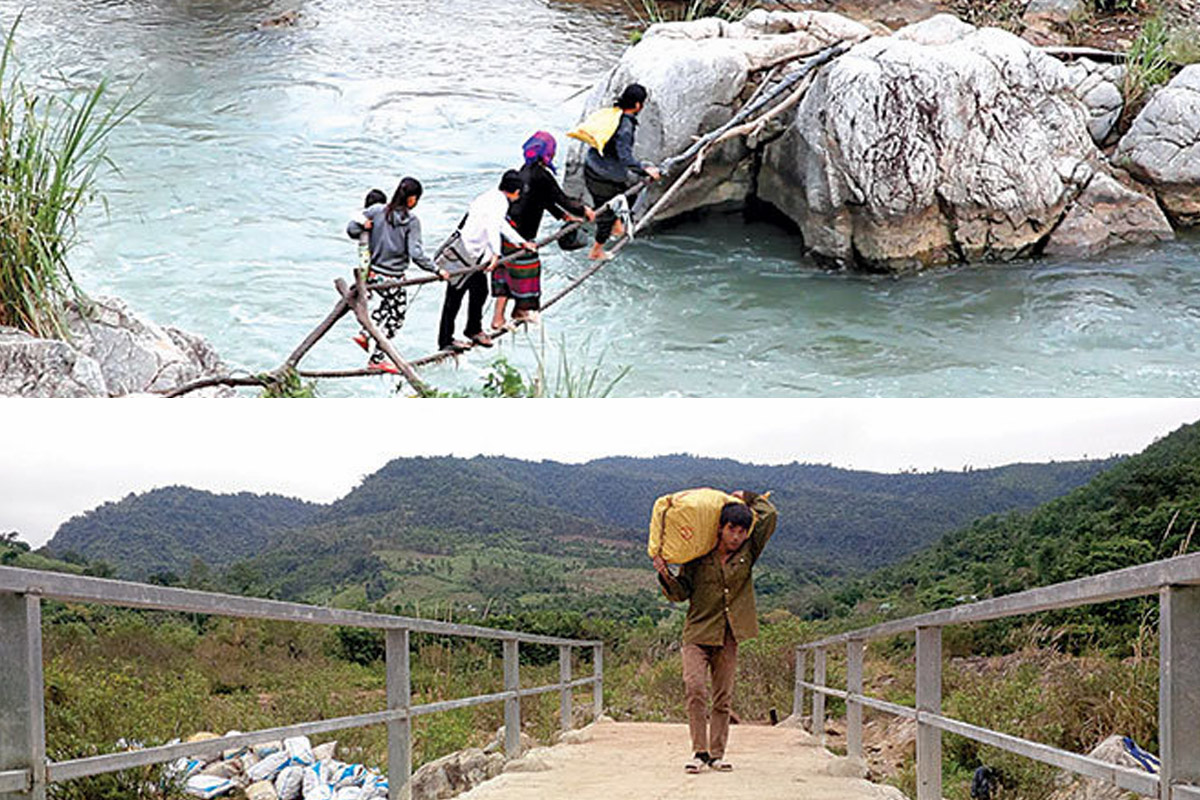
779, 90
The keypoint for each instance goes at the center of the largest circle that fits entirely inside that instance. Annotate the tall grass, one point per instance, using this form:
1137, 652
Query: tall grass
1147, 64
651, 12
51, 149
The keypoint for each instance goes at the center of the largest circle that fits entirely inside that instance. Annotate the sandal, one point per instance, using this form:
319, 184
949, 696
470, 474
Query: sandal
379, 365
482, 339
695, 766
720, 765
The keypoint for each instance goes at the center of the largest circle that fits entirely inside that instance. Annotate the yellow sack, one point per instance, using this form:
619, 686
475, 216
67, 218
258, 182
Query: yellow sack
598, 127
683, 525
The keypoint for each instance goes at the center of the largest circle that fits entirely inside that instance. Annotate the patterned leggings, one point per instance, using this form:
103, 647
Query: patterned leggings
389, 313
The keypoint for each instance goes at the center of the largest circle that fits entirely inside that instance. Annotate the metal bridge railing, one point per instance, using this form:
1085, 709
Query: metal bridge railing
25, 773
1176, 581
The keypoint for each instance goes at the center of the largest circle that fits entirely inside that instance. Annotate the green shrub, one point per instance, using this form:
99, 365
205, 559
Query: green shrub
51, 149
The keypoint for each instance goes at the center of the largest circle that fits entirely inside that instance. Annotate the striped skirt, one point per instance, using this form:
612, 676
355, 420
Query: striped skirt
520, 279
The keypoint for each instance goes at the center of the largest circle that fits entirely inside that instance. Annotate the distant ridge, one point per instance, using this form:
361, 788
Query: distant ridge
163, 530
860, 519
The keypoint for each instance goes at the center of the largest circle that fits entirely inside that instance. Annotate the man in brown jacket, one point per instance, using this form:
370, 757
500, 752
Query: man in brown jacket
720, 614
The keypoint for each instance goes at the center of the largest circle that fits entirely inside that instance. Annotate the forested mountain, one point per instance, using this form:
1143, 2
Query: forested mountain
831, 519
1145, 508
163, 530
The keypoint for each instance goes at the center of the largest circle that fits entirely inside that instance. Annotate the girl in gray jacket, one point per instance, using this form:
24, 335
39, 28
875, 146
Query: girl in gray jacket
393, 240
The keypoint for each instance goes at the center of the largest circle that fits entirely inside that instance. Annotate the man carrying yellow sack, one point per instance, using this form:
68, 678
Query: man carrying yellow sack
721, 613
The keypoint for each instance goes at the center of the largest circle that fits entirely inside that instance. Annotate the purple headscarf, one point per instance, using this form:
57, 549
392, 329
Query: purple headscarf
540, 147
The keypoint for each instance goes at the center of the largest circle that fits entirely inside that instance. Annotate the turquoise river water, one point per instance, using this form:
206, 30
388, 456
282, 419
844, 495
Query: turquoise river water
253, 148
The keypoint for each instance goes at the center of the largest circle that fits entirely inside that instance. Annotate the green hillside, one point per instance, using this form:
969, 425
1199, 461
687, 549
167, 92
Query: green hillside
507, 534
164, 530
1145, 508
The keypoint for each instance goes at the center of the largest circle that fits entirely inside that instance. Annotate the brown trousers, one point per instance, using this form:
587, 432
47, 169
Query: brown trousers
699, 660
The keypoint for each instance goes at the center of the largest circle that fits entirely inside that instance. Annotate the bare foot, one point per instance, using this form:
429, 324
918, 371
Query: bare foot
598, 254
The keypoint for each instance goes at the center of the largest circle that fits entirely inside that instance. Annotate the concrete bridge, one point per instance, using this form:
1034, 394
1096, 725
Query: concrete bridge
645, 760
634, 759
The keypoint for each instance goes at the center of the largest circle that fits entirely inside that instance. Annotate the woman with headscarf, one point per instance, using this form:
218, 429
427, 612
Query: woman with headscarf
521, 278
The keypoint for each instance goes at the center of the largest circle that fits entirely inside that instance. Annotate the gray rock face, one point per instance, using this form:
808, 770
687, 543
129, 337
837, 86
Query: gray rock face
697, 75
943, 143
1078, 788
1107, 214
455, 773
1098, 87
1162, 147
112, 352
1046, 21
32, 367
1055, 8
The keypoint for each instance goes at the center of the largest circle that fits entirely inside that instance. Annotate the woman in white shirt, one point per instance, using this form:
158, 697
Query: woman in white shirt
482, 230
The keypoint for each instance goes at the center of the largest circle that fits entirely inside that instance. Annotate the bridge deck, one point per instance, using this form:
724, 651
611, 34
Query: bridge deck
645, 761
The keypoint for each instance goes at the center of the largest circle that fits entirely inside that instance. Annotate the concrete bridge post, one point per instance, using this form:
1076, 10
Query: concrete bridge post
929, 700
512, 705
798, 691
1179, 688
854, 709
399, 696
564, 677
22, 712
818, 715
598, 686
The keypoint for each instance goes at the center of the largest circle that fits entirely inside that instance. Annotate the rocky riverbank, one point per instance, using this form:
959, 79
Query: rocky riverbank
110, 352
938, 143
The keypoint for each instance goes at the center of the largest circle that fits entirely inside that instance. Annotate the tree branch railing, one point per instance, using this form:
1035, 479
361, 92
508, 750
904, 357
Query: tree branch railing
766, 103
1176, 581
25, 772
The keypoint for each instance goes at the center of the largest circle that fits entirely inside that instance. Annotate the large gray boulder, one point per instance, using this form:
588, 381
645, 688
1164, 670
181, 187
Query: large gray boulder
942, 143
110, 352
1162, 147
698, 74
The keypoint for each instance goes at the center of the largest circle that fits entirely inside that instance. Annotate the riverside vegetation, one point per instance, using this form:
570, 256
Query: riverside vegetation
1067, 678
52, 148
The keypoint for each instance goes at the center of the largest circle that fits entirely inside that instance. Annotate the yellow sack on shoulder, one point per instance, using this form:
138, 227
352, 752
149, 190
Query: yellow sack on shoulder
598, 127
683, 525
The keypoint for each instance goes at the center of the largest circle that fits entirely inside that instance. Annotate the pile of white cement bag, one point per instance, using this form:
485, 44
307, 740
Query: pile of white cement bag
289, 770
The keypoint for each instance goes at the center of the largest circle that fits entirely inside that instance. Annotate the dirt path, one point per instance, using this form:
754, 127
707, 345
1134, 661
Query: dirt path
645, 760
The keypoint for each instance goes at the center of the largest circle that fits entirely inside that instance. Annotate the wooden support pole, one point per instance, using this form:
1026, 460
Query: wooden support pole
358, 303
22, 712
399, 695
929, 699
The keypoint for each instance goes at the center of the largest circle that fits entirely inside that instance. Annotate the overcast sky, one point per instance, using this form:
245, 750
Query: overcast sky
61, 458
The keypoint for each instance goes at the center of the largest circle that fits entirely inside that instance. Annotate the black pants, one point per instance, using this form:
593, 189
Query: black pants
477, 284
602, 191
